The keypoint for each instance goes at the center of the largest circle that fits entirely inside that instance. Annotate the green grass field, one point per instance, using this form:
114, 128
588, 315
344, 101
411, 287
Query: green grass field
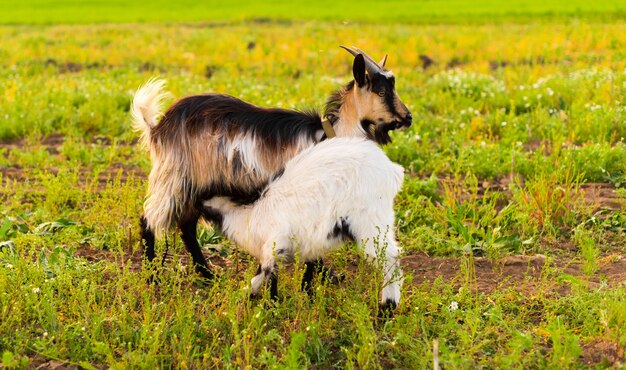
512, 216
418, 11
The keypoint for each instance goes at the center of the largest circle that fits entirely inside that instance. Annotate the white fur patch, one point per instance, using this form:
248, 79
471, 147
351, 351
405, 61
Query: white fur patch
256, 283
341, 178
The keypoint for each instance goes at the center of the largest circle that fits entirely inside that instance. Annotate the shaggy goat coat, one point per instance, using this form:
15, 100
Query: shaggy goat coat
341, 189
217, 145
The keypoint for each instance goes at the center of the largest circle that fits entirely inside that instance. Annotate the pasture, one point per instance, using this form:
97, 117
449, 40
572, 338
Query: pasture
512, 216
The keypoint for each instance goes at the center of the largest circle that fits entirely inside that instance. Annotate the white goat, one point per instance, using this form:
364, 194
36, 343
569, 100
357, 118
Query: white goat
341, 189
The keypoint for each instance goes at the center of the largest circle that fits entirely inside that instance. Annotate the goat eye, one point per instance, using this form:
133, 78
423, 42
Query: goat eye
381, 93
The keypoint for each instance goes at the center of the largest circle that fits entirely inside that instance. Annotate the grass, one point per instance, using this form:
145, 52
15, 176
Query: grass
457, 11
517, 148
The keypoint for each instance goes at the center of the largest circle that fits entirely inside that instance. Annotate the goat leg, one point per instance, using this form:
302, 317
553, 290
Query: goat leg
188, 230
317, 267
147, 238
263, 273
385, 310
273, 285
328, 273
310, 268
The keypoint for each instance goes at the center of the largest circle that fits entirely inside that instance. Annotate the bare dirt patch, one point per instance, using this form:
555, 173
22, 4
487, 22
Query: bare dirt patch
12, 173
114, 172
40, 362
519, 272
53, 140
600, 196
602, 351
52, 143
603, 196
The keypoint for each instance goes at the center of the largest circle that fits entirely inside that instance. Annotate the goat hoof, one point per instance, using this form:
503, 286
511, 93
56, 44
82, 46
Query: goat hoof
333, 277
152, 280
385, 310
204, 281
336, 277
207, 275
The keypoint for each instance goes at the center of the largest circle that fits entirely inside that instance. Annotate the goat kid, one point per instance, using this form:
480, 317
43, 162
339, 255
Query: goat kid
339, 190
217, 145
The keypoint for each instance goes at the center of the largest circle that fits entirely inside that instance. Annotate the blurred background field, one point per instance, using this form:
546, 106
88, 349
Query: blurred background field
512, 214
418, 11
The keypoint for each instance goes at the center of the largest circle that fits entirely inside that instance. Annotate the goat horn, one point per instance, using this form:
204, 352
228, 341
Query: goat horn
382, 62
370, 65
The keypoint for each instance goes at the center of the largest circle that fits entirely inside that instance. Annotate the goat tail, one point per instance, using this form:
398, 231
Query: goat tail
146, 107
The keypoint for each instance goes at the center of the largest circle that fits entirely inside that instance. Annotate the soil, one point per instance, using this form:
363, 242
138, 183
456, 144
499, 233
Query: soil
52, 143
519, 272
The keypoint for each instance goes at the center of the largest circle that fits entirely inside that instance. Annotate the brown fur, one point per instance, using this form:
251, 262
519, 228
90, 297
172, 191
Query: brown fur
207, 145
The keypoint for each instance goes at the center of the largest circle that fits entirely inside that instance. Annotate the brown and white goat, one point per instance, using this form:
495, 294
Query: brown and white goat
217, 145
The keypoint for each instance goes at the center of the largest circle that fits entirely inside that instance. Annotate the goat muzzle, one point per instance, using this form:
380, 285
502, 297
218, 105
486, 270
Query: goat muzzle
405, 122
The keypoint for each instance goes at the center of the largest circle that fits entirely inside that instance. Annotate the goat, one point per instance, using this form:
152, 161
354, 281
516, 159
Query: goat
217, 145
341, 189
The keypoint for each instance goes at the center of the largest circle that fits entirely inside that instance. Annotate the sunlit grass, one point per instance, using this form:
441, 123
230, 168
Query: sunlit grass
511, 122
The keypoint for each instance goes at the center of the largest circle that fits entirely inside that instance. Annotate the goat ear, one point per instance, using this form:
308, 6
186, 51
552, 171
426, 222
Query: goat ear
358, 70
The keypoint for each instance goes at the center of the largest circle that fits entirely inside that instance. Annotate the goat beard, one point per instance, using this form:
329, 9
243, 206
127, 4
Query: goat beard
379, 133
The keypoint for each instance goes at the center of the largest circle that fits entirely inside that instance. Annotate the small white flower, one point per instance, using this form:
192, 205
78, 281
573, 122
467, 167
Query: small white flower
550, 91
9, 266
45, 334
595, 107
503, 123
36, 290
454, 305
83, 328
